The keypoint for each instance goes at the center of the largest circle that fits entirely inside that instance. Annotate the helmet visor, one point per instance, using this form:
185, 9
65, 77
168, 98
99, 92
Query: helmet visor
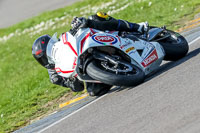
37, 50
50, 47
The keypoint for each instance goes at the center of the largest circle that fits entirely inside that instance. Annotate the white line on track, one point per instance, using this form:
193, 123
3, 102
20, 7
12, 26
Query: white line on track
194, 40
72, 113
90, 102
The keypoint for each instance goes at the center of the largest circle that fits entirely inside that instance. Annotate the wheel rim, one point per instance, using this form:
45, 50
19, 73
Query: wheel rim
175, 38
120, 68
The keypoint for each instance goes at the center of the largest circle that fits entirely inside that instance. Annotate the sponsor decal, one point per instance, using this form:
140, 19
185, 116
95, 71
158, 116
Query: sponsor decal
127, 42
129, 49
125, 45
132, 52
104, 39
150, 59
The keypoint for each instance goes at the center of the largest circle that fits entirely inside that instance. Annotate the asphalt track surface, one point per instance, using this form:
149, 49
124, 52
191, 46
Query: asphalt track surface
14, 11
167, 102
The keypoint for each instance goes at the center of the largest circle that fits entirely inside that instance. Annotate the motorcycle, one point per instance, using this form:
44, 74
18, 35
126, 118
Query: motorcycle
112, 57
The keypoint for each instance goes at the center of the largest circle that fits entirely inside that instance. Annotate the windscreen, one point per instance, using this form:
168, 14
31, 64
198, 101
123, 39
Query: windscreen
50, 47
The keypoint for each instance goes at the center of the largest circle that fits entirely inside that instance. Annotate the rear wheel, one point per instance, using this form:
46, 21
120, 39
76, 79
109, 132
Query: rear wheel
174, 46
123, 74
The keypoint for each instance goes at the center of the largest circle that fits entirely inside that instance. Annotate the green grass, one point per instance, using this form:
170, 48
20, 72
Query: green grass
25, 89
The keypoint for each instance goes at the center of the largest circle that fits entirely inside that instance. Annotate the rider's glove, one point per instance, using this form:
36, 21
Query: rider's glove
144, 27
79, 23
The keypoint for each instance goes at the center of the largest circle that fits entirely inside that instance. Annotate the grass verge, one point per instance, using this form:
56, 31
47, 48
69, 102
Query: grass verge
25, 90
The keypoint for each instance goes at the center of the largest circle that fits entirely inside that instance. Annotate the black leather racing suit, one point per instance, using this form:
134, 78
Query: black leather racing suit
96, 22
111, 24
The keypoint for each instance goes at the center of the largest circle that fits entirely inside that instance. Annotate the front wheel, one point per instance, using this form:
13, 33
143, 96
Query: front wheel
175, 46
122, 75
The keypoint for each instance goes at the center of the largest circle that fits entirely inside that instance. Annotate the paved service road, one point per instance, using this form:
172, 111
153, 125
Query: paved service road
14, 11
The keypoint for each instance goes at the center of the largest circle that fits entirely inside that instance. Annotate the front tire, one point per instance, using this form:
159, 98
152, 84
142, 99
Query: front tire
175, 46
96, 71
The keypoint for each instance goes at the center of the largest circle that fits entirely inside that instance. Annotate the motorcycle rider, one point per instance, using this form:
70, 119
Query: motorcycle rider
99, 21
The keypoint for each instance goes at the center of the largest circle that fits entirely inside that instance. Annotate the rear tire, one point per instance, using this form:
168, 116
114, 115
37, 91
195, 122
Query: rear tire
97, 72
175, 46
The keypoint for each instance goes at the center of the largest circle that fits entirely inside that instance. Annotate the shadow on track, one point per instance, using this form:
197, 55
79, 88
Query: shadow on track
163, 68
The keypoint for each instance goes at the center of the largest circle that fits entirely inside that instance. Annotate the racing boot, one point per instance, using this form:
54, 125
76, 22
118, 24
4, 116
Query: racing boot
95, 89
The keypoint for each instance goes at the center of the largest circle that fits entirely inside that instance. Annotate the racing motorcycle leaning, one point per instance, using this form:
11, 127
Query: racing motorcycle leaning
114, 58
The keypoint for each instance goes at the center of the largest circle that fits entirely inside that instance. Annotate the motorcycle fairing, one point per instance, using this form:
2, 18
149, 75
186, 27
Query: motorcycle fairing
154, 32
69, 48
96, 38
